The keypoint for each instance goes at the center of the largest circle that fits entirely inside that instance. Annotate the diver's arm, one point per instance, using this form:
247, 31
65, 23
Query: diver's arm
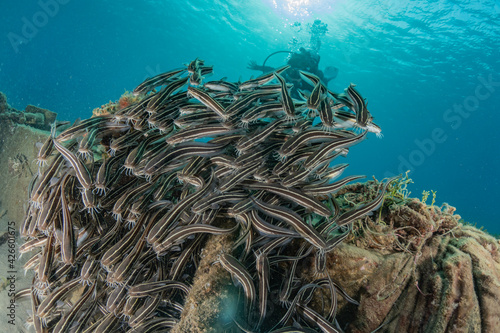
253, 66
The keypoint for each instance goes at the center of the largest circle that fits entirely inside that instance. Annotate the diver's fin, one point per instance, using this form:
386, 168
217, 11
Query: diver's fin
330, 73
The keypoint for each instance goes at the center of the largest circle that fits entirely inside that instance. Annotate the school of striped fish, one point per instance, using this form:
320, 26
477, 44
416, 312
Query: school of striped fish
123, 203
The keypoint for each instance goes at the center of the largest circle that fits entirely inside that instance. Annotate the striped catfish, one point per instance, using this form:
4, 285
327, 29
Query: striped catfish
309, 136
195, 65
362, 114
326, 115
322, 188
69, 317
293, 195
327, 149
179, 234
238, 271
295, 221
48, 304
200, 131
263, 273
81, 171
317, 95
253, 140
68, 244
160, 230
161, 97
286, 99
365, 209
208, 101
221, 85
145, 311
269, 229
151, 288
157, 80
263, 79
242, 103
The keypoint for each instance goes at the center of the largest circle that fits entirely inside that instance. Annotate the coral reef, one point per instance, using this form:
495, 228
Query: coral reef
125, 100
418, 269
209, 207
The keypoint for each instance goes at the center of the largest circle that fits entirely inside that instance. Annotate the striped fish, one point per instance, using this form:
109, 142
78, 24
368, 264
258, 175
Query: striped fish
359, 105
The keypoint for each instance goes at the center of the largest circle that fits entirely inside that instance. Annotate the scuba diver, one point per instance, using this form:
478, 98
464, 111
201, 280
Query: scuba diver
305, 60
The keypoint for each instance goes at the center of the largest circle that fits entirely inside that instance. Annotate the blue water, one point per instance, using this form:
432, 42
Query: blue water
416, 62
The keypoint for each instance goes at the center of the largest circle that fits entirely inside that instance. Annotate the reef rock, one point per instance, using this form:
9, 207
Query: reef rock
418, 269
33, 116
46, 116
3, 102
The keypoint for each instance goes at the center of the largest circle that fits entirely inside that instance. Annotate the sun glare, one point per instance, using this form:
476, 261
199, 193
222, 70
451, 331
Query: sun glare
298, 8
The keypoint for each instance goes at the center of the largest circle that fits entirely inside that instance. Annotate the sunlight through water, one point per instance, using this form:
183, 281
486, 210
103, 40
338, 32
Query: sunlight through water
300, 9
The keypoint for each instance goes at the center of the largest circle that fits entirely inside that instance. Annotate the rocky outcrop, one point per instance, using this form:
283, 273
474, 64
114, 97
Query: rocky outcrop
33, 116
418, 269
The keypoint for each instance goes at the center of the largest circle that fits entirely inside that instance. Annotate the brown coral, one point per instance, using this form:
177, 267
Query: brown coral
111, 107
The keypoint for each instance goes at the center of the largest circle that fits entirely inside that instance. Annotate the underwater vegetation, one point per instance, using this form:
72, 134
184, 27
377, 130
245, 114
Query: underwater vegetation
193, 206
